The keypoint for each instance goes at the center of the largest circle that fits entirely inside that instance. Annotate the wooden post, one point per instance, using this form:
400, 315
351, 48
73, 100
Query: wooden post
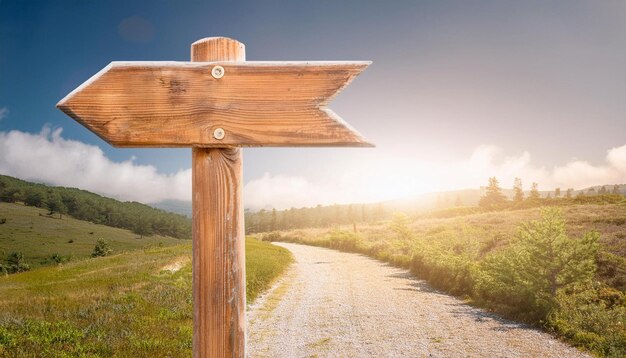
219, 262
217, 104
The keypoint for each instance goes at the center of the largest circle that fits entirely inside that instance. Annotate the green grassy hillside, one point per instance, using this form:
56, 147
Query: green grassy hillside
133, 304
31, 231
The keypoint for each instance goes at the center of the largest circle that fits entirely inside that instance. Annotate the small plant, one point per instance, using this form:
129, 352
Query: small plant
70, 241
271, 236
102, 249
17, 263
3, 221
58, 259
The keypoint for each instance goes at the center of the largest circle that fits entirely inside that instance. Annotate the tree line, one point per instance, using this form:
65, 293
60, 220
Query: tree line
494, 198
83, 205
319, 216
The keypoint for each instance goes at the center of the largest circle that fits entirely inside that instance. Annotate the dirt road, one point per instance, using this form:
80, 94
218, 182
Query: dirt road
333, 304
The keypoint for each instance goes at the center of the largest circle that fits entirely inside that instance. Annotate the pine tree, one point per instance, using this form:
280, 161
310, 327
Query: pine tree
534, 192
557, 192
542, 261
493, 198
602, 190
569, 192
101, 249
518, 195
616, 190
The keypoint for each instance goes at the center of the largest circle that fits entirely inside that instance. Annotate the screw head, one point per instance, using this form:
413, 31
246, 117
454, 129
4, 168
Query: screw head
219, 133
217, 71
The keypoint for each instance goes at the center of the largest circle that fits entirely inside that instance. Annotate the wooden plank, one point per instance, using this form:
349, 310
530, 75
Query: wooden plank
219, 261
177, 104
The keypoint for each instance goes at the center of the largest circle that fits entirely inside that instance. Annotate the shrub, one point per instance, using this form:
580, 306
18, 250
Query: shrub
102, 249
59, 259
592, 315
271, 236
344, 240
400, 226
17, 263
3, 221
527, 276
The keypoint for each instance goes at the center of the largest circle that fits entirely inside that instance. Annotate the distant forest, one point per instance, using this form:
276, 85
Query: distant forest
319, 216
146, 220
493, 198
83, 205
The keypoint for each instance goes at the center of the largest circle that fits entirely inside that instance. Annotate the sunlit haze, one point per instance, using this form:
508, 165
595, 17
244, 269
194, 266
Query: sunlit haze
457, 93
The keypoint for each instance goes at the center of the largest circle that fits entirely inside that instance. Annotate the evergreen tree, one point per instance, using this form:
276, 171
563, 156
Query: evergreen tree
557, 192
493, 198
616, 190
102, 248
534, 192
602, 191
518, 191
569, 192
400, 226
591, 191
17, 263
542, 261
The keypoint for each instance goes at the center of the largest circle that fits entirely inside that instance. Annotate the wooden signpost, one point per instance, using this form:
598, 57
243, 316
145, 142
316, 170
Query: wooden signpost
215, 104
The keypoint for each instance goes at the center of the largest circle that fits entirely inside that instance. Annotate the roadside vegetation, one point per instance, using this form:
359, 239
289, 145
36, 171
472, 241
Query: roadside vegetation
559, 265
133, 304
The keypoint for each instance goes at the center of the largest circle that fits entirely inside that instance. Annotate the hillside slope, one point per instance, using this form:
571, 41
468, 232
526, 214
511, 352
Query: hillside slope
38, 236
132, 304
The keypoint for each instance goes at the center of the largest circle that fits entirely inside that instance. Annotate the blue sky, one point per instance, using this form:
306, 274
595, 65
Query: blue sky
532, 89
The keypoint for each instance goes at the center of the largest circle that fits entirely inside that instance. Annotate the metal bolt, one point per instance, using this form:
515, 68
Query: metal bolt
219, 133
218, 71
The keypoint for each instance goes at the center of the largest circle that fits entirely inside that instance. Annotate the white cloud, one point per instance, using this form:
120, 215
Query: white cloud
4, 112
52, 159
383, 177
376, 176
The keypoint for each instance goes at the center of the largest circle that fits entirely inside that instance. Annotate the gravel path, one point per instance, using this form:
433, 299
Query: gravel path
333, 304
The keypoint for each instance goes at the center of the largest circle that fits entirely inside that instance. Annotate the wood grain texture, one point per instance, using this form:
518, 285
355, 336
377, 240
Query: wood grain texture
219, 289
178, 104
218, 49
219, 261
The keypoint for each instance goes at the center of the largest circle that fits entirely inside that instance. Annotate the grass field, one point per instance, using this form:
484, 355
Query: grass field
137, 302
475, 256
132, 304
29, 230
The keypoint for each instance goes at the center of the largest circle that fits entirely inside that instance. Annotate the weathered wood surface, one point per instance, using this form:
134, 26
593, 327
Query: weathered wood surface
178, 104
219, 269
219, 262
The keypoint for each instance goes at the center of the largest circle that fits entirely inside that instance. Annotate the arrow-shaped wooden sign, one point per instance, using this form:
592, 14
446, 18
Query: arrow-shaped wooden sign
181, 104
215, 104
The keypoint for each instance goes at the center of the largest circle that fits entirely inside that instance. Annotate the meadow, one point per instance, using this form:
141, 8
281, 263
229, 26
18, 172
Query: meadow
135, 302
563, 270
39, 236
